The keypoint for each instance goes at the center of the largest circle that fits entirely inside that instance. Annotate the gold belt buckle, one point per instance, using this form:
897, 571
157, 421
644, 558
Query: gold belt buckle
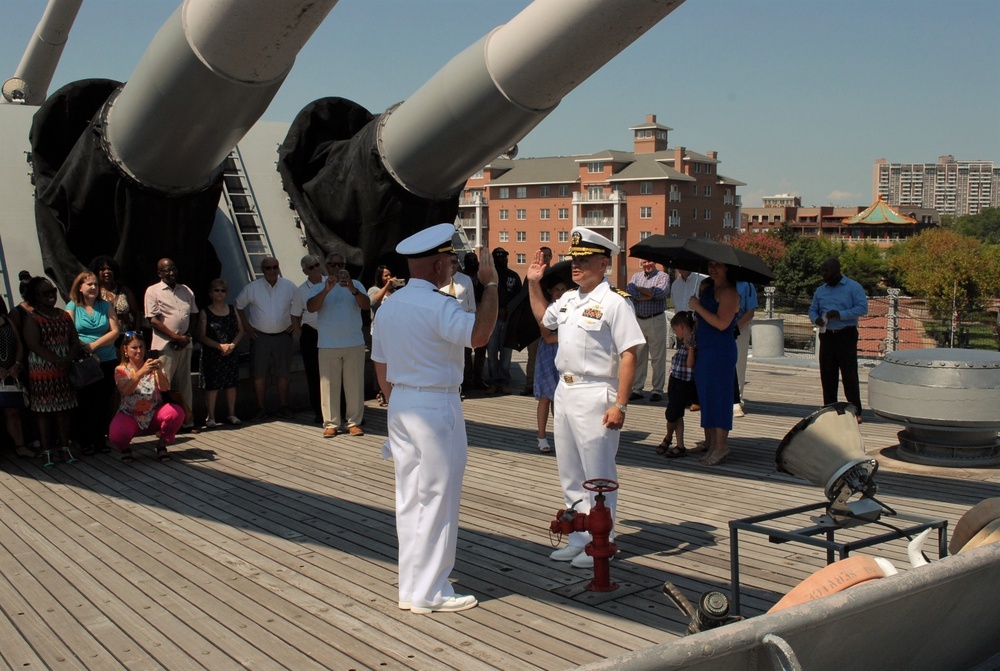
568, 378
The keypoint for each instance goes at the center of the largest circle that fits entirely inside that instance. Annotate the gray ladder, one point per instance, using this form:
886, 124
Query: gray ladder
244, 214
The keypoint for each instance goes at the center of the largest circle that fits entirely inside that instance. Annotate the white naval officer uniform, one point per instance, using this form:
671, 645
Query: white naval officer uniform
593, 328
421, 336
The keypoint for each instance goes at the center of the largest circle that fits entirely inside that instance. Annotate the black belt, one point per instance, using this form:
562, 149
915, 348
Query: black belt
649, 316
843, 328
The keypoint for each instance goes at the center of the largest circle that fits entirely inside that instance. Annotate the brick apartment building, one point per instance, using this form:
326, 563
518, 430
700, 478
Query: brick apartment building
523, 204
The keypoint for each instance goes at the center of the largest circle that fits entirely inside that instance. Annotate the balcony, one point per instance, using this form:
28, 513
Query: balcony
675, 196
613, 197
472, 201
598, 222
674, 221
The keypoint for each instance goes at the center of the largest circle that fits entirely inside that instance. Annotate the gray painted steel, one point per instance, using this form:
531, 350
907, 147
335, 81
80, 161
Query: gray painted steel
940, 616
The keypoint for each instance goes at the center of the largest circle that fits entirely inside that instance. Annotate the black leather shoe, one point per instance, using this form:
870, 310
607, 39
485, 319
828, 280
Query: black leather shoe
654, 397
635, 396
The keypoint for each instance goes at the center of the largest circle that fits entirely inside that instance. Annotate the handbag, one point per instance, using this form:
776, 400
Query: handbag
84, 372
12, 394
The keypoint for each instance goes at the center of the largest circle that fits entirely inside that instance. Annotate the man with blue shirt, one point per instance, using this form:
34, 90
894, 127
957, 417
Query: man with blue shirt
341, 343
836, 307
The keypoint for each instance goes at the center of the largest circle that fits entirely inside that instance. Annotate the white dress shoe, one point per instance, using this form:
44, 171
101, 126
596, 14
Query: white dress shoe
405, 605
738, 410
567, 553
582, 560
454, 604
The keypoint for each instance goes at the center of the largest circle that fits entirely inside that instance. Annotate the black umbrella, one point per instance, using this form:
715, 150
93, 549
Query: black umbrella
522, 328
694, 254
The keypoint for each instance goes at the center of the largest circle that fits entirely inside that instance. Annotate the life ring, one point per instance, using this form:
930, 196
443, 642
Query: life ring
834, 578
972, 522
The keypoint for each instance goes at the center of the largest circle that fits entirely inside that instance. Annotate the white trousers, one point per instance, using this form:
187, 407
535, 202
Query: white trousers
655, 350
742, 351
429, 450
585, 448
342, 365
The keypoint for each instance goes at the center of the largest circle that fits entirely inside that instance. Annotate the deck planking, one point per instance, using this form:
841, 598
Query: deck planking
268, 547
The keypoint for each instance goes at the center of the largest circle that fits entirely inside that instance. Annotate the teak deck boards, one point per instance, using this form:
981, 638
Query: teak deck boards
268, 547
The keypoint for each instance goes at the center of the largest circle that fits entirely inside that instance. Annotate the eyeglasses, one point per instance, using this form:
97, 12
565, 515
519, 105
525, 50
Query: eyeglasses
218, 290
270, 267
132, 334
312, 267
335, 264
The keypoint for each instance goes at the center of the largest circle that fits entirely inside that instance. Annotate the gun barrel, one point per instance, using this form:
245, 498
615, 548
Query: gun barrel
205, 79
42, 54
492, 94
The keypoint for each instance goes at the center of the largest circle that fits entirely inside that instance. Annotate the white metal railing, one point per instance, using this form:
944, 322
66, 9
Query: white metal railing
613, 197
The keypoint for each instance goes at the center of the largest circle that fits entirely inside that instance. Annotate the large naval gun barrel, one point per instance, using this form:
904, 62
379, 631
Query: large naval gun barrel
135, 170
378, 179
30, 83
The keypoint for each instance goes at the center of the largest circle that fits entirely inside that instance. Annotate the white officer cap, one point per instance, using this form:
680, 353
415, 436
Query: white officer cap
428, 242
586, 242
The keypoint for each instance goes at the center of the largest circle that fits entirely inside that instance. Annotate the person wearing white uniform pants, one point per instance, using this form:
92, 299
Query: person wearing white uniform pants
418, 343
598, 339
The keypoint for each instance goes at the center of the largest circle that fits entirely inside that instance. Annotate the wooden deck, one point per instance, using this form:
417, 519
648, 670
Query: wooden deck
268, 547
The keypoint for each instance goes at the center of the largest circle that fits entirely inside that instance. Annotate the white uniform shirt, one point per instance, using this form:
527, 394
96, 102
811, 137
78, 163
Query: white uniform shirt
421, 336
302, 295
268, 308
593, 329
461, 288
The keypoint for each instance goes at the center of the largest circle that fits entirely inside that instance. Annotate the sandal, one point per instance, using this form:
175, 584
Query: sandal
162, 454
664, 446
675, 452
127, 457
381, 400
714, 459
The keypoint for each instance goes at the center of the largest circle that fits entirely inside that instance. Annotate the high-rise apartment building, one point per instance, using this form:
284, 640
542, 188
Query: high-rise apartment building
948, 186
522, 204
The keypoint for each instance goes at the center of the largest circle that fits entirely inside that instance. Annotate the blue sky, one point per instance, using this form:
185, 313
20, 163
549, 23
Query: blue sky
797, 96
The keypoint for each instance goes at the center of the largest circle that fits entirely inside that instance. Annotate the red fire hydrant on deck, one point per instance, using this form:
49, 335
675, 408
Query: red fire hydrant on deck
599, 523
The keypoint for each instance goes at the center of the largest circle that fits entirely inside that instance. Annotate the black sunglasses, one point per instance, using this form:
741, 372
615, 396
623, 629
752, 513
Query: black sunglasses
132, 334
335, 264
312, 267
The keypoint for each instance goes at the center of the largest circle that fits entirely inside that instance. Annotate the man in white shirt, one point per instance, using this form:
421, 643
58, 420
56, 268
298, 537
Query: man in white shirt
417, 345
460, 286
684, 286
338, 303
169, 307
265, 306
304, 325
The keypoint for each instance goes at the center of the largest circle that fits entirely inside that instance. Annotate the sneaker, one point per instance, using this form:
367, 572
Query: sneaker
655, 396
454, 604
567, 553
211, 424
738, 410
234, 420
355, 431
330, 432
543, 445
285, 413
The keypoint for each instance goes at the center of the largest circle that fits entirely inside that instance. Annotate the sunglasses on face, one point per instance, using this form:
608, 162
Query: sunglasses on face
312, 267
270, 267
132, 334
335, 264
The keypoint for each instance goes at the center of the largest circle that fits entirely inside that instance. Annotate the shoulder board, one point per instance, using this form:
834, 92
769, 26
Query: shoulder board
445, 294
624, 294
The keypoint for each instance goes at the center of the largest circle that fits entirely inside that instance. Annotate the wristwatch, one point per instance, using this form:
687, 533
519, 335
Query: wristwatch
621, 406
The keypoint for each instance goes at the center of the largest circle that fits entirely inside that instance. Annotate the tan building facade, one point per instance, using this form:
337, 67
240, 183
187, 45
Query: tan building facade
522, 204
948, 186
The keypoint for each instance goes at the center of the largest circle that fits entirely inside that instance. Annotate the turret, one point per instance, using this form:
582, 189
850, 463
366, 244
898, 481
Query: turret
386, 177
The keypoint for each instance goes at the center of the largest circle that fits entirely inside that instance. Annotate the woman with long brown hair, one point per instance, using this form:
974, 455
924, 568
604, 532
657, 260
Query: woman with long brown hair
97, 325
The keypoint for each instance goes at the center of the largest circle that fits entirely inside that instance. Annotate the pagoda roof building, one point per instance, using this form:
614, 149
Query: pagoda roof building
880, 214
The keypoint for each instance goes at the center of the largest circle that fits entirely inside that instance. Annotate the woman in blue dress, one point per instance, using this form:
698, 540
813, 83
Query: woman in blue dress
715, 310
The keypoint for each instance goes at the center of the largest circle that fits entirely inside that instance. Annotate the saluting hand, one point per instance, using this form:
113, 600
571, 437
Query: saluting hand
538, 267
487, 269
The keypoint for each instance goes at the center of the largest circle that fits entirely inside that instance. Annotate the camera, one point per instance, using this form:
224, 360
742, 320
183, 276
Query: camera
397, 283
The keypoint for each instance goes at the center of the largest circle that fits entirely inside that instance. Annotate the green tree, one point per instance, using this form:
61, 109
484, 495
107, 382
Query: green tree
984, 226
797, 274
949, 269
866, 265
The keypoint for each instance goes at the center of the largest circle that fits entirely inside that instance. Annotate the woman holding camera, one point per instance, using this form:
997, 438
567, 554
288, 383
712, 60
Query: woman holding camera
385, 284
141, 382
